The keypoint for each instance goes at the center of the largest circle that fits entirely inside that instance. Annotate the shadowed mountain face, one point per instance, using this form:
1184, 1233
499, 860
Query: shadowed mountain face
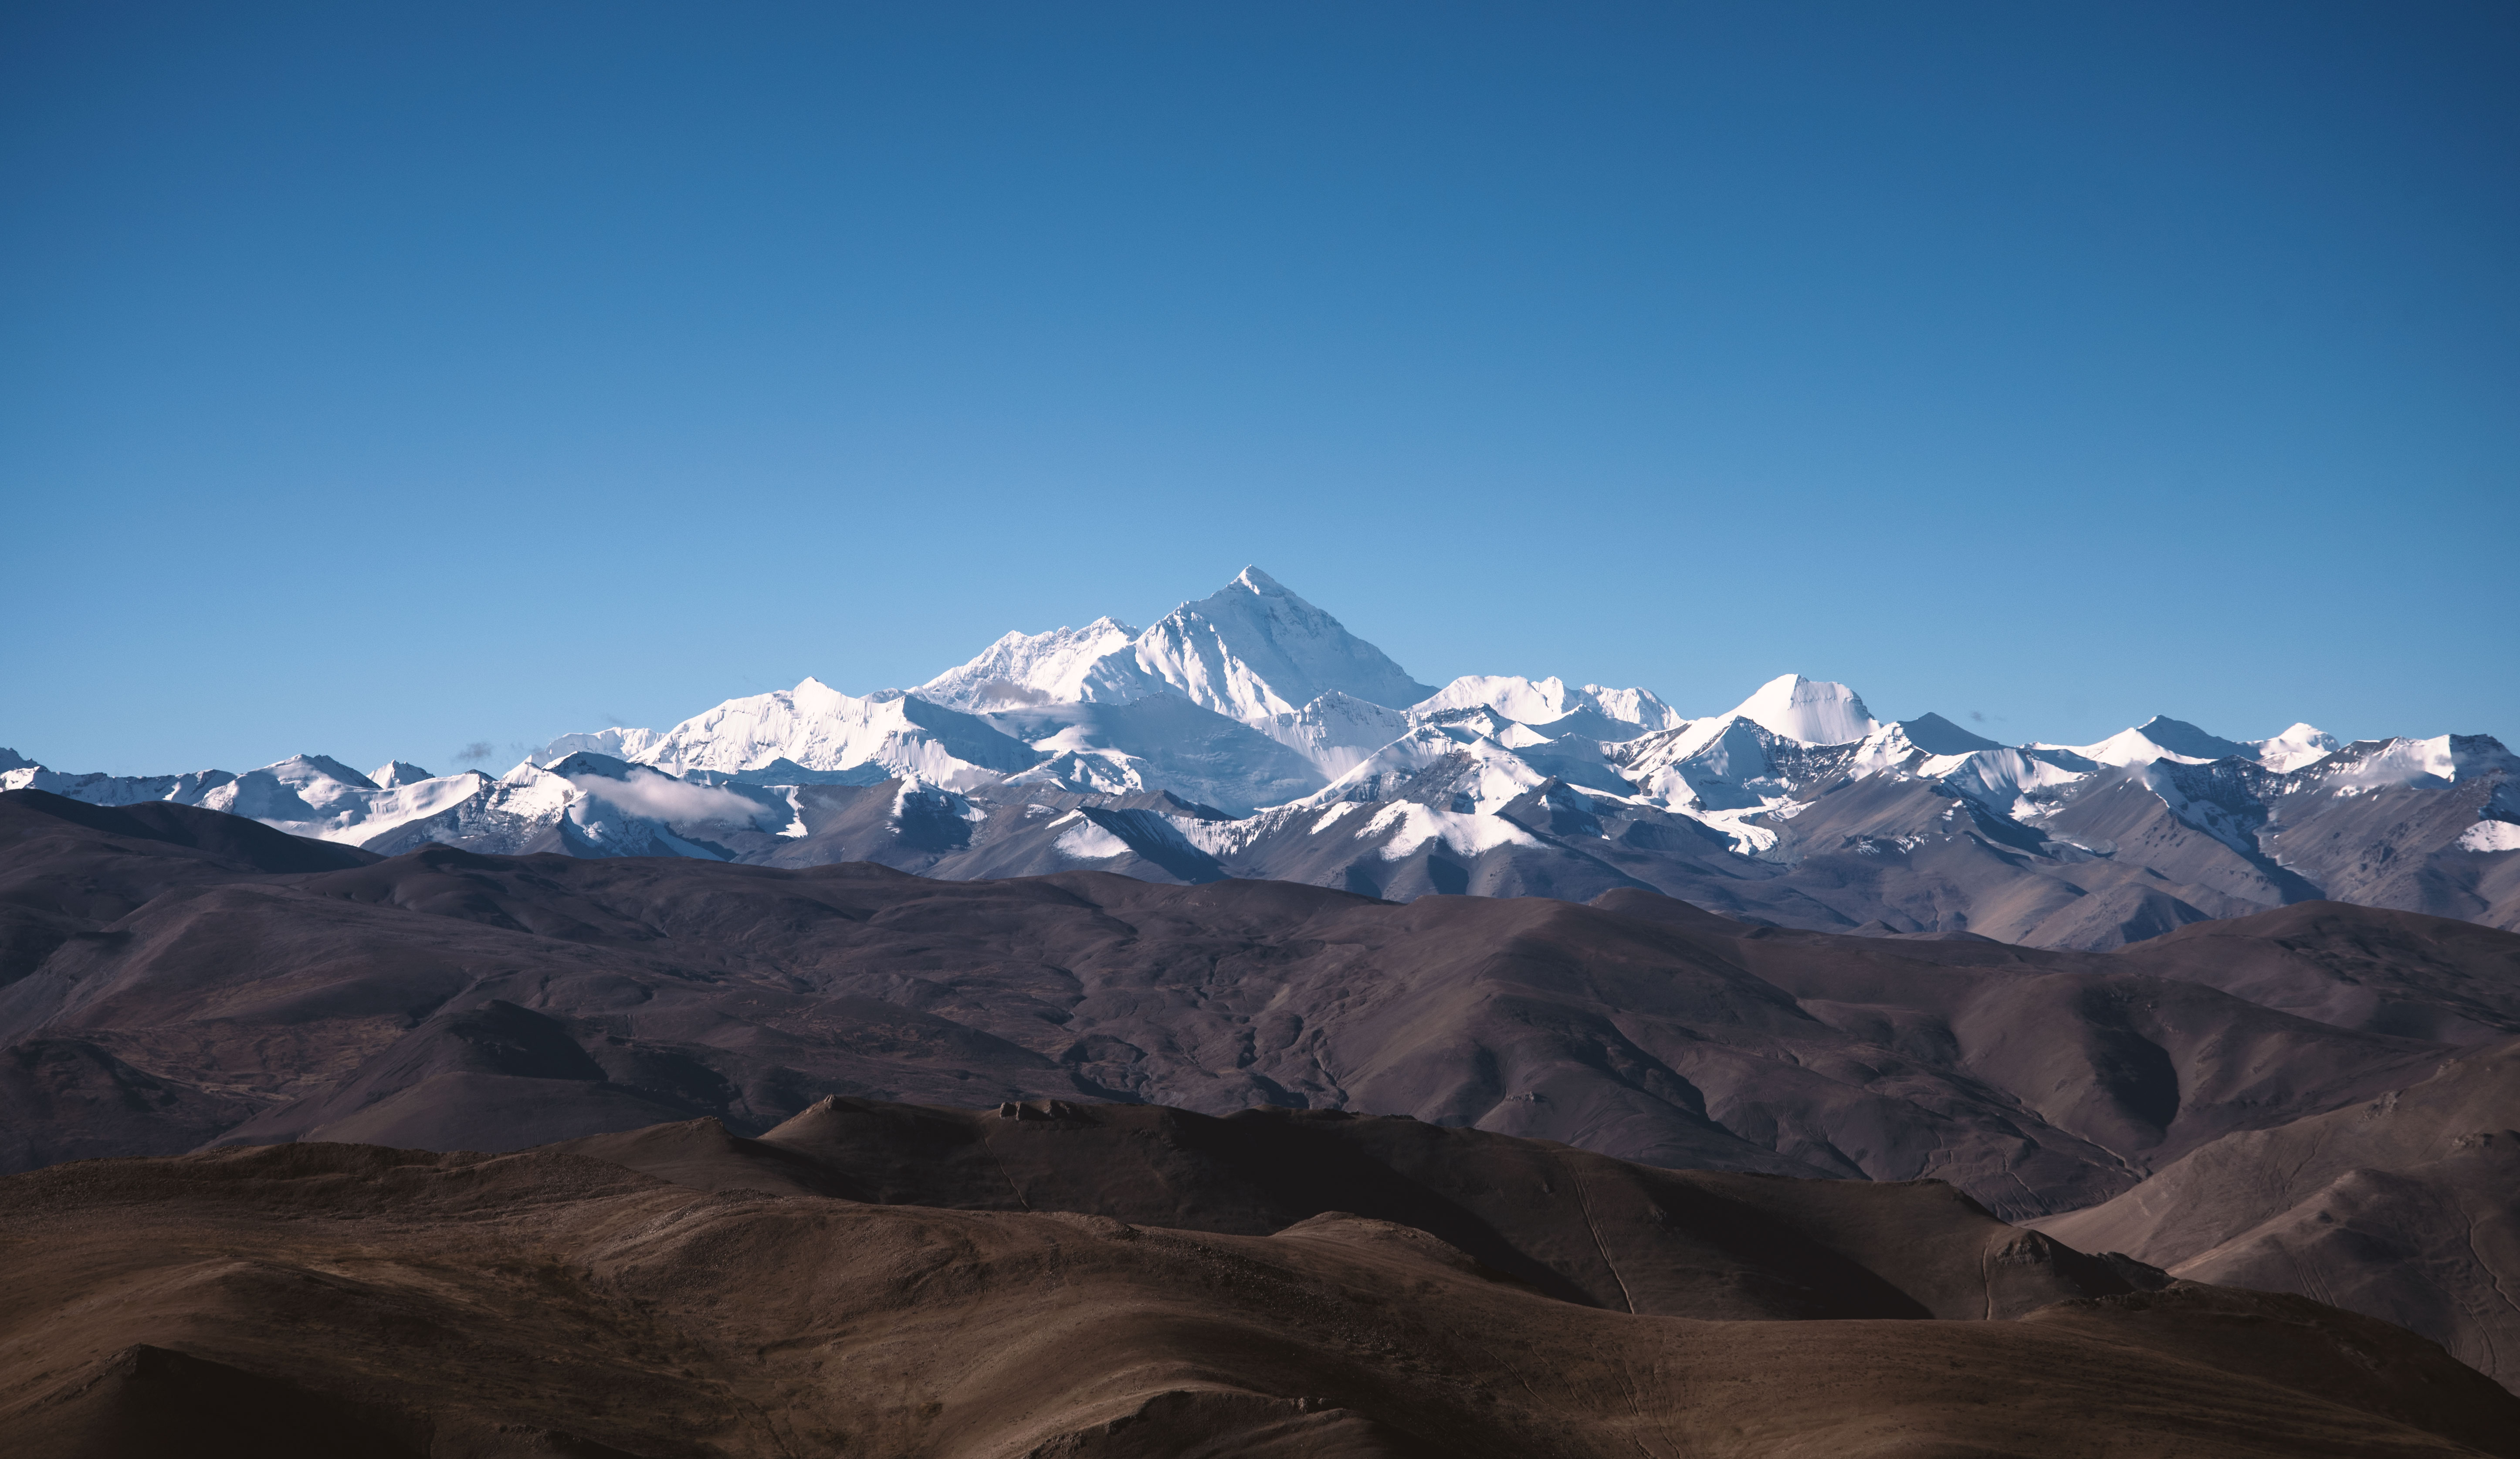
1052, 1280
168, 980
450, 1000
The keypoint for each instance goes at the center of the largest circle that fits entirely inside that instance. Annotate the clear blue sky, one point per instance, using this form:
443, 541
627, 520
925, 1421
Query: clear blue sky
375, 379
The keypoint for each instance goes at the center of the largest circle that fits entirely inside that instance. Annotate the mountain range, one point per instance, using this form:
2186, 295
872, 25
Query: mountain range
1250, 735
2319, 1098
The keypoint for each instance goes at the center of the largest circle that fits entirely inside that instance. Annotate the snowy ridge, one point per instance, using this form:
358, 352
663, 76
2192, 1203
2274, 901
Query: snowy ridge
619, 742
1021, 670
1547, 702
2162, 737
1249, 733
817, 727
1336, 732
116, 790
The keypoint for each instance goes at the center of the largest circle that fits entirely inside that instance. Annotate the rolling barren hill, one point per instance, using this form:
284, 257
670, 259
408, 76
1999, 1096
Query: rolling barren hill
682, 1291
449, 1000
2401, 1207
173, 978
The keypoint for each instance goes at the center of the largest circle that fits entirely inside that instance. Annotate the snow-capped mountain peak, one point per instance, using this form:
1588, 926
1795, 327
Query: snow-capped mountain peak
1253, 651
316, 796
312, 769
1814, 711
2301, 745
1531, 701
2160, 737
1641, 708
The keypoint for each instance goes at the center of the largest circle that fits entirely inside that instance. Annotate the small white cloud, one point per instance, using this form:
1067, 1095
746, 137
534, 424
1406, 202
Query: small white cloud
661, 797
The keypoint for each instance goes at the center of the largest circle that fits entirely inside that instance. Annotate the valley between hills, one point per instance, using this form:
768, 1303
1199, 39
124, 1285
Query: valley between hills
451, 1153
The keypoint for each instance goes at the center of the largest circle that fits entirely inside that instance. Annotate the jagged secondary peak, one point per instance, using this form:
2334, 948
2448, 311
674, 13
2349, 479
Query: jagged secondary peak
1539, 701
2443, 759
1338, 731
317, 795
820, 728
621, 741
2300, 746
1641, 708
2181, 738
394, 774
1253, 651
1815, 711
1935, 734
304, 769
2157, 739
1023, 670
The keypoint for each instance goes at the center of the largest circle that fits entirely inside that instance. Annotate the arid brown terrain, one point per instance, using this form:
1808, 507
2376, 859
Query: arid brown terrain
1066, 1280
710, 1253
